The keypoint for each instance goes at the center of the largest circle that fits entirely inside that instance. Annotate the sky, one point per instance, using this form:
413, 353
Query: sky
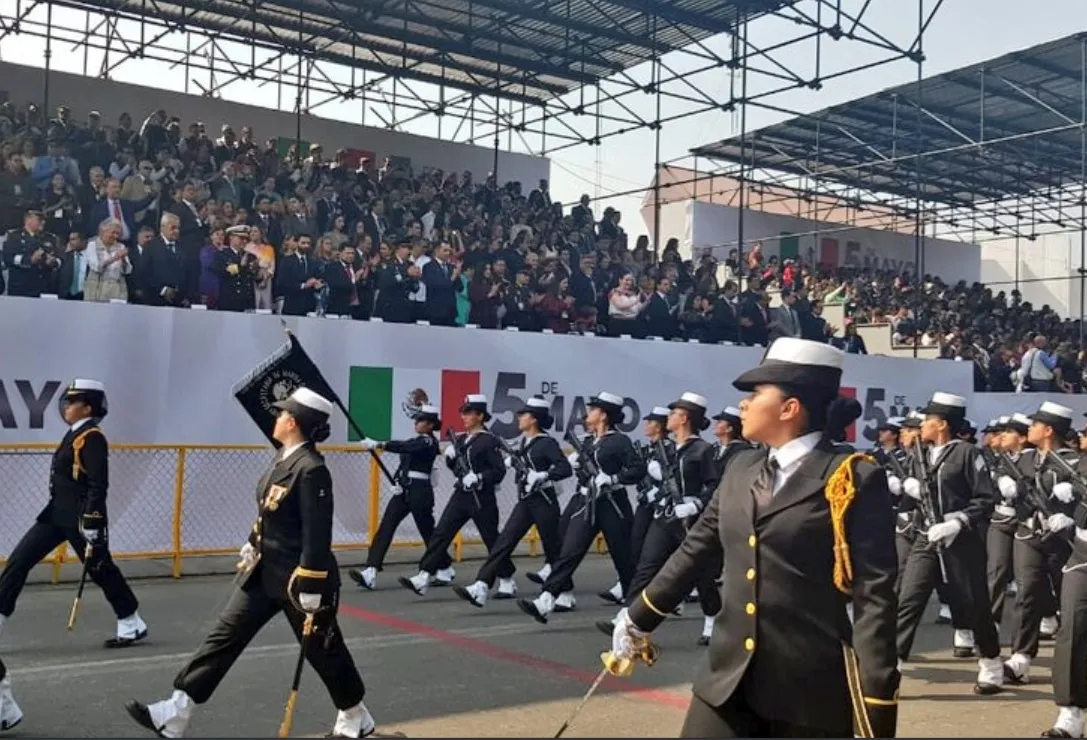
963, 32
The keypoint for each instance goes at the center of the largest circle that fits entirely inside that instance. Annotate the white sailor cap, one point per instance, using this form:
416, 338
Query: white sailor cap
946, 405
304, 401
690, 402
796, 362
1055, 415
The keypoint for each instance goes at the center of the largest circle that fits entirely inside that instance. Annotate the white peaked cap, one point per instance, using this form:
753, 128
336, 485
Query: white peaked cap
1003, 420
805, 352
538, 403
86, 384
660, 411
309, 399
610, 398
1055, 409
732, 411
896, 421
915, 414
1020, 419
475, 398
694, 398
433, 410
993, 422
948, 399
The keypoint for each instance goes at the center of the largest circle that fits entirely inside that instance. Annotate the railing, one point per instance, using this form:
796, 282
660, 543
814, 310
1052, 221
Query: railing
181, 501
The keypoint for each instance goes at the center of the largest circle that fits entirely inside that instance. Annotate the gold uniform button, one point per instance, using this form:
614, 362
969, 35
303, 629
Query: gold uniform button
749, 645
751, 541
750, 574
750, 608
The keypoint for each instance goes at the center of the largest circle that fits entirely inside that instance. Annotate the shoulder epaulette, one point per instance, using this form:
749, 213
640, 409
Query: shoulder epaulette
840, 491
77, 447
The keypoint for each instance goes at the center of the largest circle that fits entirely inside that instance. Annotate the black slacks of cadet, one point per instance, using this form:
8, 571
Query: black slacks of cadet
903, 546
663, 538
736, 718
613, 517
417, 500
1070, 650
249, 609
967, 590
1034, 596
643, 517
40, 540
459, 511
1000, 543
539, 508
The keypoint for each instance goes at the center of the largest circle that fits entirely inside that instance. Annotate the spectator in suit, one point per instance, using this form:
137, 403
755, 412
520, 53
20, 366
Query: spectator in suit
115, 208
660, 319
139, 280
347, 278
785, 321
164, 265
268, 222
298, 279
395, 283
192, 237
442, 280
753, 318
813, 326
107, 264
299, 222
725, 321
71, 276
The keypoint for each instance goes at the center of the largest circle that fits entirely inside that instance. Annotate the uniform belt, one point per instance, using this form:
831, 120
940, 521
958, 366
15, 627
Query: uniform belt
905, 516
418, 475
1081, 534
1004, 510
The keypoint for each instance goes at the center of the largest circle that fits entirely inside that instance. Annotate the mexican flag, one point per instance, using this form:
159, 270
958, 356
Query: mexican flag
382, 399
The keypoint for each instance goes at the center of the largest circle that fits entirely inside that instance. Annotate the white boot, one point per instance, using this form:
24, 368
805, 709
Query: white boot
1070, 719
445, 576
418, 582
354, 722
990, 675
507, 588
707, 630
479, 592
1049, 627
565, 602
171, 716
130, 628
368, 576
544, 603
541, 575
1017, 669
945, 612
849, 611
617, 591
963, 643
10, 714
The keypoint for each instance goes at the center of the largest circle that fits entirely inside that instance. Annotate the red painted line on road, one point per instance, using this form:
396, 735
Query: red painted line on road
510, 656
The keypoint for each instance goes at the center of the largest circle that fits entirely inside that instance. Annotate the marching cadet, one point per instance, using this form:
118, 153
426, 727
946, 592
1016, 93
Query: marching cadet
10, 714
1010, 442
607, 506
655, 431
236, 269
895, 440
1070, 649
476, 459
288, 567
730, 438
76, 513
414, 495
1039, 548
954, 496
693, 479
543, 465
30, 254
783, 519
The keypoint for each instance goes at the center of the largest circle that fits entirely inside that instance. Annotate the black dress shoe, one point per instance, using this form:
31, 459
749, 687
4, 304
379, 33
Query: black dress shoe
465, 594
529, 608
123, 642
703, 641
987, 689
142, 715
535, 578
356, 576
1012, 677
963, 652
406, 583
609, 597
605, 626
1055, 732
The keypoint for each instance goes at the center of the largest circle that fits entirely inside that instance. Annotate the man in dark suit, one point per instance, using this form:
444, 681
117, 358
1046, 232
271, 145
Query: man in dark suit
754, 317
162, 266
345, 277
76, 513
139, 280
583, 282
192, 237
267, 221
659, 319
798, 551
442, 280
112, 206
298, 280
725, 322
396, 281
289, 567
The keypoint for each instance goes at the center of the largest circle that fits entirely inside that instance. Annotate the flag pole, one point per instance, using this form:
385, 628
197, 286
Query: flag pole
336, 399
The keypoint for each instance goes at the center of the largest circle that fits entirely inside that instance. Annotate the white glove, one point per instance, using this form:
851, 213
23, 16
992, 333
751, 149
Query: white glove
945, 532
369, 444
469, 480
572, 459
91, 535
450, 453
690, 507
654, 470
623, 637
248, 555
309, 602
894, 483
507, 461
1007, 487
1063, 492
535, 478
651, 494
912, 488
1057, 522
603, 479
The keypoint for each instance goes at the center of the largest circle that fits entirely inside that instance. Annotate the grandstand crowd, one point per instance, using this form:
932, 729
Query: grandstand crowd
158, 212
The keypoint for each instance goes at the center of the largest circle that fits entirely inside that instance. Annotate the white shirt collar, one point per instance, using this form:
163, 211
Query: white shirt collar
80, 423
287, 452
790, 454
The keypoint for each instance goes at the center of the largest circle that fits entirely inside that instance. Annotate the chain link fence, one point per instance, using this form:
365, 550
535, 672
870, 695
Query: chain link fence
170, 501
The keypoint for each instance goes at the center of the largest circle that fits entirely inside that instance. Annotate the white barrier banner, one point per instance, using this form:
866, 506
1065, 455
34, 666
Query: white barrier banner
168, 374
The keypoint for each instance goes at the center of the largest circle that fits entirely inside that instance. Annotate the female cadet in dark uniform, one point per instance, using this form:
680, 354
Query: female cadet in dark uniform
655, 430
480, 469
289, 567
730, 438
1070, 649
415, 494
10, 714
607, 506
957, 491
1039, 547
805, 527
537, 503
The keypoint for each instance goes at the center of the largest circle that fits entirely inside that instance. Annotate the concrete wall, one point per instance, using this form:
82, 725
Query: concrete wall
1046, 274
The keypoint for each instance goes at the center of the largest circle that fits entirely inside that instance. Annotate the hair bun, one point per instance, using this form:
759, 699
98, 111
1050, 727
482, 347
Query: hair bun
840, 414
320, 433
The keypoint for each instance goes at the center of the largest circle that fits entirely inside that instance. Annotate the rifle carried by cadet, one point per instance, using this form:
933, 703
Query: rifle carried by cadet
461, 467
926, 505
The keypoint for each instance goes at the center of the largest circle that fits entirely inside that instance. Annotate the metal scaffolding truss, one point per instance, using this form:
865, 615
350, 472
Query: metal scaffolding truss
995, 150
554, 74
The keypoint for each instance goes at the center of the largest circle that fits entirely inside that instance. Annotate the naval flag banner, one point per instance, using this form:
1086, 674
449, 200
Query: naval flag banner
276, 378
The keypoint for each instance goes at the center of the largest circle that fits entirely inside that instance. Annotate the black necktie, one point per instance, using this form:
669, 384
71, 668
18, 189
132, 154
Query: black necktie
303, 263
764, 483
